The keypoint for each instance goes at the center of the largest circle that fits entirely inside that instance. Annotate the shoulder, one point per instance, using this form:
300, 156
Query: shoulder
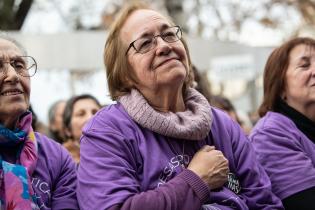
274, 120
111, 119
274, 124
112, 115
52, 155
111, 128
227, 134
48, 146
275, 132
223, 124
220, 117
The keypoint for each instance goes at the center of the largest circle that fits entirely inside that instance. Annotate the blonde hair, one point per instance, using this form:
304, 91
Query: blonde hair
115, 60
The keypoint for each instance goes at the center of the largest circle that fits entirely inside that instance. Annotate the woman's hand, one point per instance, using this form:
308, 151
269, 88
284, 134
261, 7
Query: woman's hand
211, 166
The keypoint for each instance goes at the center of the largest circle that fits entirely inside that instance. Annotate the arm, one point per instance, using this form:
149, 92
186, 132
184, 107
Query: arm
63, 193
290, 168
107, 177
255, 184
176, 194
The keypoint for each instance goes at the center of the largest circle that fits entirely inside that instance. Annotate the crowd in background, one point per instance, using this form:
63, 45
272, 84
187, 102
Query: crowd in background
67, 117
168, 142
66, 121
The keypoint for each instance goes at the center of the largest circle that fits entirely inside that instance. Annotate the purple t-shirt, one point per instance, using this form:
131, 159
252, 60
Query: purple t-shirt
126, 166
287, 155
54, 179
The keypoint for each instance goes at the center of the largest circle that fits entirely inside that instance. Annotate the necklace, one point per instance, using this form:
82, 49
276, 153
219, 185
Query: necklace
182, 162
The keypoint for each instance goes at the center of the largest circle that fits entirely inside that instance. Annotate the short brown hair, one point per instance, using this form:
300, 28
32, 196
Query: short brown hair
117, 70
275, 73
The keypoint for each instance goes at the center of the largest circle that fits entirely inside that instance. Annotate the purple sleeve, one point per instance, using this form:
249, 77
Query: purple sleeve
183, 192
290, 169
107, 177
64, 194
255, 183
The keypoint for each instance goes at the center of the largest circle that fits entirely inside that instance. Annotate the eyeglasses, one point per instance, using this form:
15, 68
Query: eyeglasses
25, 66
145, 44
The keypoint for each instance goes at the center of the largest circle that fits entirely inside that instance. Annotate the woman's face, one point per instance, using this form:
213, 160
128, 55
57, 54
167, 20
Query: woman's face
83, 110
300, 79
14, 89
166, 65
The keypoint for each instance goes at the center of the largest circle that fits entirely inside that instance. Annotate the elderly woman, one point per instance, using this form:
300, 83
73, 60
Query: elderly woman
285, 135
162, 146
36, 172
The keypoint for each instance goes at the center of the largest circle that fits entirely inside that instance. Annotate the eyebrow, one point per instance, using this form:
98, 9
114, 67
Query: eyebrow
303, 59
11, 57
162, 27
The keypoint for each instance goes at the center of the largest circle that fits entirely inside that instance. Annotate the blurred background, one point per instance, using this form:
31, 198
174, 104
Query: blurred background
229, 42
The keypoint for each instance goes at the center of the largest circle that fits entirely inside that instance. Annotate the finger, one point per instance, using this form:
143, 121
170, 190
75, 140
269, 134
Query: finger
227, 173
207, 148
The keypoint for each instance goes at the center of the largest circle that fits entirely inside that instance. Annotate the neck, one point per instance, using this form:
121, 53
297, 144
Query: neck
310, 113
9, 122
165, 100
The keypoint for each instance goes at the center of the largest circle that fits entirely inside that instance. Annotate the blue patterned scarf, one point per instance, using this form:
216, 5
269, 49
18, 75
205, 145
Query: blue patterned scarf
16, 190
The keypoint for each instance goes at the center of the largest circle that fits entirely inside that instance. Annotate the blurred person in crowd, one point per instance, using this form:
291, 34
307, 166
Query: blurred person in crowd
225, 104
36, 172
78, 110
162, 146
55, 116
285, 135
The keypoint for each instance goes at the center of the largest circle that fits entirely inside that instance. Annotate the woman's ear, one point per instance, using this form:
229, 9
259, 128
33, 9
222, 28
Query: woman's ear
129, 82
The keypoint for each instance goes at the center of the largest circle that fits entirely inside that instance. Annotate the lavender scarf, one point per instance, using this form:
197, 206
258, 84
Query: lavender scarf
192, 124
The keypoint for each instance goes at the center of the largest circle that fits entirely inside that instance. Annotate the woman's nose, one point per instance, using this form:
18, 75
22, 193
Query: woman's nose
10, 73
162, 47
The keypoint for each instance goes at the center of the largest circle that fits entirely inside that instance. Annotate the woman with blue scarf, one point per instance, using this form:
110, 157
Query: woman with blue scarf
35, 172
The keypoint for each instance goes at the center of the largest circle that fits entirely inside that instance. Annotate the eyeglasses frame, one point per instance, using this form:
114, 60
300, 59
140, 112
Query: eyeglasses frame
153, 38
22, 56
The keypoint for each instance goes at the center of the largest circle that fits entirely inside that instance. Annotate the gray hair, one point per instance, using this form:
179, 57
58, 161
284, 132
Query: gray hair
5, 36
